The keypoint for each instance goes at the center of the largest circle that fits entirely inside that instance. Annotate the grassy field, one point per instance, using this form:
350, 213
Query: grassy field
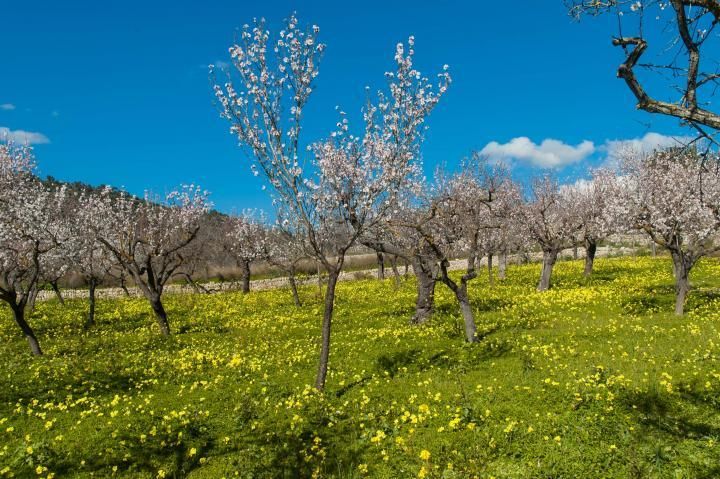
592, 379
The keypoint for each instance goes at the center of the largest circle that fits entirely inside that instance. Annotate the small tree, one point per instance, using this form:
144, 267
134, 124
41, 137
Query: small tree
30, 229
353, 182
673, 196
148, 237
245, 240
551, 221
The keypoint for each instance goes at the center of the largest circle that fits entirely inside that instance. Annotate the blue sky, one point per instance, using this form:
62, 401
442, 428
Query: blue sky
120, 90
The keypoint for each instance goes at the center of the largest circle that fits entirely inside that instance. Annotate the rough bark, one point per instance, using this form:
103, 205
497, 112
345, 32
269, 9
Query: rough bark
32, 298
245, 275
56, 290
468, 317
160, 315
491, 278
590, 250
502, 266
681, 269
549, 259
326, 327
294, 289
425, 301
90, 322
381, 266
19, 316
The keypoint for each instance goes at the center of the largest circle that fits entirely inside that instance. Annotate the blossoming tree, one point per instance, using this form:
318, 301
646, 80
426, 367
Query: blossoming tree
352, 182
673, 196
148, 237
30, 229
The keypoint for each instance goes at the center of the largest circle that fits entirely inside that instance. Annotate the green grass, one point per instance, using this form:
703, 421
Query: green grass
591, 379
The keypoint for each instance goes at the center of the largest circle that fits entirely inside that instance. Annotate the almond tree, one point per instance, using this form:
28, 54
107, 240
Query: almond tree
550, 220
245, 242
351, 182
285, 250
148, 237
680, 34
30, 229
673, 196
590, 199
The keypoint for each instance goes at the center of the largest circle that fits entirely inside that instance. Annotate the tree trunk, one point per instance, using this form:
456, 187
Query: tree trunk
425, 302
326, 324
160, 315
491, 279
502, 266
381, 266
245, 274
549, 259
91, 311
590, 250
396, 273
575, 252
58, 294
123, 285
293, 288
681, 268
19, 315
32, 297
468, 316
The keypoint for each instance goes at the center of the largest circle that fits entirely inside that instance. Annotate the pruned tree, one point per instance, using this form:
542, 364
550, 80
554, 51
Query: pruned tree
30, 229
148, 237
550, 220
246, 236
673, 196
684, 64
352, 182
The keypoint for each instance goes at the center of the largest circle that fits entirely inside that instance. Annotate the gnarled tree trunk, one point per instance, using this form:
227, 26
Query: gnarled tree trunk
56, 290
90, 322
682, 265
293, 288
381, 266
245, 275
549, 260
491, 279
502, 266
160, 315
19, 316
425, 302
590, 250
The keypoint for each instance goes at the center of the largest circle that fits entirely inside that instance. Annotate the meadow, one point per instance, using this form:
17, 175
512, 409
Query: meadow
594, 378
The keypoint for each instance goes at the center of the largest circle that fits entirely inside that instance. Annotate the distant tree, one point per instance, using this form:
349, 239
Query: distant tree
684, 64
148, 237
30, 229
551, 221
673, 196
246, 236
352, 182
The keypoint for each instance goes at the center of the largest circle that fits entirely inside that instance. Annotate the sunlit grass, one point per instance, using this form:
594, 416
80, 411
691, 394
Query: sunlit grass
591, 379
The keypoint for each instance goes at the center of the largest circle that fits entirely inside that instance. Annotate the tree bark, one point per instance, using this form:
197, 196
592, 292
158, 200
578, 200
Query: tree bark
91, 299
58, 294
32, 298
502, 266
245, 275
293, 288
425, 302
468, 316
396, 273
681, 269
491, 279
549, 259
575, 252
590, 250
19, 316
381, 266
326, 325
160, 315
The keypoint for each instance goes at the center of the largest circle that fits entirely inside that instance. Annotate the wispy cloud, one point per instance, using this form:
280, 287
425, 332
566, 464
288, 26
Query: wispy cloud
7, 106
550, 153
22, 136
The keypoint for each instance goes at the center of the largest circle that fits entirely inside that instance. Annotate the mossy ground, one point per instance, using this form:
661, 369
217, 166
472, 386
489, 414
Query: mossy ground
591, 379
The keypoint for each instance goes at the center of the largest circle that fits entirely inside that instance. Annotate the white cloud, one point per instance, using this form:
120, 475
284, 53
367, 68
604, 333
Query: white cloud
548, 154
23, 137
646, 144
7, 106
